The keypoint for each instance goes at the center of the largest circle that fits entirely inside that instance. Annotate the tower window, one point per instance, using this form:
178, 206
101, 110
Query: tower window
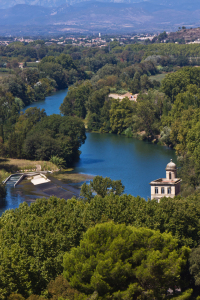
168, 190
170, 175
156, 190
162, 190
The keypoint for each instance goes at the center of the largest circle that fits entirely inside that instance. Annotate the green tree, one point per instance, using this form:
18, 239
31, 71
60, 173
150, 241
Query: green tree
56, 72
65, 61
61, 289
3, 191
194, 261
102, 187
146, 115
33, 241
121, 115
75, 101
125, 262
135, 84
55, 135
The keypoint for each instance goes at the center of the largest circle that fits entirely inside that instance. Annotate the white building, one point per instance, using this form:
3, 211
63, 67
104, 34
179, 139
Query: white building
166, 187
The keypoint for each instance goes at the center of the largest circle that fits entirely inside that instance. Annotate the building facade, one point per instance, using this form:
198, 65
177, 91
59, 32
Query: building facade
166, 187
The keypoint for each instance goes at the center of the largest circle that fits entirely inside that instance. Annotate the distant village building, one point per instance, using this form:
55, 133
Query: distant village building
166, 187
21, 65
120, 97
195, 42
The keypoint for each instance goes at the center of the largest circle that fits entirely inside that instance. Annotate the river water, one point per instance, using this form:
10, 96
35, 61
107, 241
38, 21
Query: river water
135, 162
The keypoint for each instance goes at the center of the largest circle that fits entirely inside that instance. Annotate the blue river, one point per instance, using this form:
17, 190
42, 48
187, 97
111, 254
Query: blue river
135, 162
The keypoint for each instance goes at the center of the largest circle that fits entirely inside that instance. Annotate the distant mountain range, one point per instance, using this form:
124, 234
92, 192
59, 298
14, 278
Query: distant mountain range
51, 16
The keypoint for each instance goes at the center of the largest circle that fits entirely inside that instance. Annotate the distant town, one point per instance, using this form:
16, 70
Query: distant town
88, 41
181, 36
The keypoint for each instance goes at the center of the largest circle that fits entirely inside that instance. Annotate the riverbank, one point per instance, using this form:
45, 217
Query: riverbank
70, 177
63, 183
9, 166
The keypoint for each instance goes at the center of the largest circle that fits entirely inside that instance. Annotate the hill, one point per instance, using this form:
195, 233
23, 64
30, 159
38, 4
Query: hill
186, 35
93, 16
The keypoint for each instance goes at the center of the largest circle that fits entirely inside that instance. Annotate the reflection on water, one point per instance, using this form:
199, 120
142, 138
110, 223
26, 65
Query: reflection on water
51, 103
13, 198
24, 192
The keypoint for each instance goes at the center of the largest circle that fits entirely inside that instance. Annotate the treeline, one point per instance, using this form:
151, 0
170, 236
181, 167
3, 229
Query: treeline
34, 135
34, 84
61, 66
180, 126
46, 252
38, 50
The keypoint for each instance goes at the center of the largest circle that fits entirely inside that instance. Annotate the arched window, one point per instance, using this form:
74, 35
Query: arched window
162, 190
156, 190
170, 175
168, 190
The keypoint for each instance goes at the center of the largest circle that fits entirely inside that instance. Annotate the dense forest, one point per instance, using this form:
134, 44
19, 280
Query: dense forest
102, 247
112, 245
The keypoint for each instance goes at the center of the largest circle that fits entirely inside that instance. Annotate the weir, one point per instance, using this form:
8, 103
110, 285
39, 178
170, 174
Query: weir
15, 179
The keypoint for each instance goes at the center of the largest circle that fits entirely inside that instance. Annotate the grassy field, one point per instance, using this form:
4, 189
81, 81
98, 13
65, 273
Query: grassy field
10, 165
158, 77
67, 176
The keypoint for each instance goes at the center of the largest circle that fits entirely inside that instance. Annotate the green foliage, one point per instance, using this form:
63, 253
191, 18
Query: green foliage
124, 262
121, 115
149, 109
75, 101
194, 261
177, 82
3, 191
55, 135
16, 297
37, 136
58, 161
56, 72
33, 240
61, 289
128, 132
185, 295
165, 136
102, 187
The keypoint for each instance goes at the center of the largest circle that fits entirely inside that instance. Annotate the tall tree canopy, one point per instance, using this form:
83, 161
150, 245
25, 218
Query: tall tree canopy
120, 262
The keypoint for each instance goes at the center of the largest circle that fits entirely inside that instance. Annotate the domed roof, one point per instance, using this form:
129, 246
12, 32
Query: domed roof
171, 165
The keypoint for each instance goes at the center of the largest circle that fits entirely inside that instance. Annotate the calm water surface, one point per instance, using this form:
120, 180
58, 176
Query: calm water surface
51, 104
135, 162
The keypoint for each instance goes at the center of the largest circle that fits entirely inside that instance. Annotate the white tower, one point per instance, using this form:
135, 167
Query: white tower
166, 187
